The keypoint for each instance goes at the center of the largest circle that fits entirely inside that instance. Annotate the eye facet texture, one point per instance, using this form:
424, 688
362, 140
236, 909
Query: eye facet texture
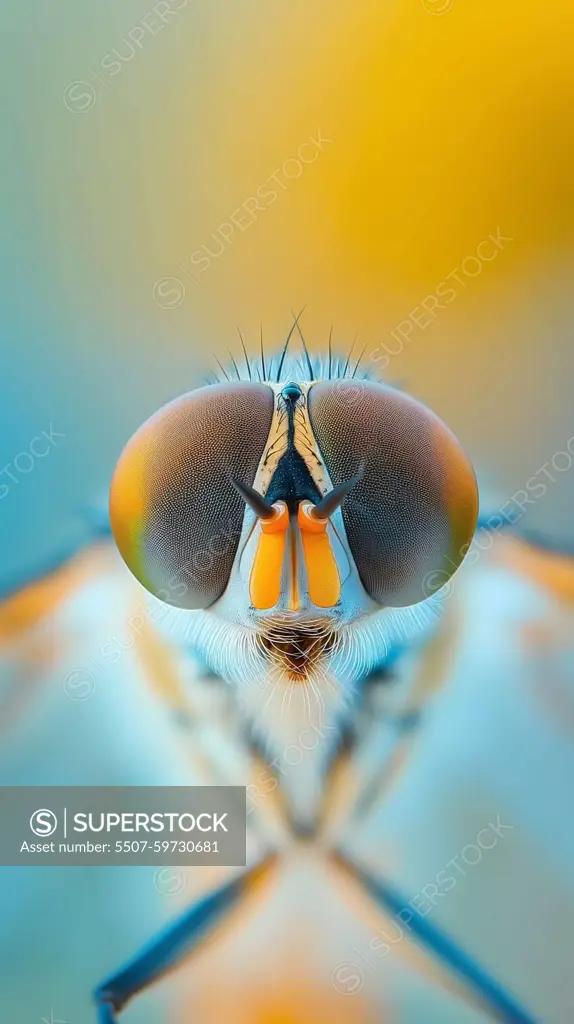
410, 518
175, 514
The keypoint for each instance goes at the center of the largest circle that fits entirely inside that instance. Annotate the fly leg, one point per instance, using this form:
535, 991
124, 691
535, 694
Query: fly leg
438, 943
172, 945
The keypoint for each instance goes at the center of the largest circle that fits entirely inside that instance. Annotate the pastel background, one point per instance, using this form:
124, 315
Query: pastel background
128, 141
445, 127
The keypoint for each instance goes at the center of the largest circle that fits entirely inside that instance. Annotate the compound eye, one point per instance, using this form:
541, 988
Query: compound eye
175, 514
410, 518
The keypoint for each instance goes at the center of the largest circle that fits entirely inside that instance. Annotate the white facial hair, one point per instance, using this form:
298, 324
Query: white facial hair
296, 721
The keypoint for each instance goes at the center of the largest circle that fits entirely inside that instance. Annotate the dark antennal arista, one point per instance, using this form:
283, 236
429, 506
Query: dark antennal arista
330, 503
254, 499
325, 508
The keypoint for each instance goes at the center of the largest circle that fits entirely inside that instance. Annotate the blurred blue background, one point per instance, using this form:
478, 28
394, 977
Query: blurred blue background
131, 137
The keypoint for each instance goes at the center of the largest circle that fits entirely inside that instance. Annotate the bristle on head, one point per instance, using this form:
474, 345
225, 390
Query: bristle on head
286, 364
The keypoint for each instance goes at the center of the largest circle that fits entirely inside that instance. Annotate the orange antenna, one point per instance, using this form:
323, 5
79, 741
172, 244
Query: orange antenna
265, 581
322, 572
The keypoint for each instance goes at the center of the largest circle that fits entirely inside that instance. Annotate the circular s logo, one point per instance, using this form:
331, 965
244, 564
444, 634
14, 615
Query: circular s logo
438, 581
348, 978
170, 881
79, 684
169, 292
438, 6
79, 97
43, 822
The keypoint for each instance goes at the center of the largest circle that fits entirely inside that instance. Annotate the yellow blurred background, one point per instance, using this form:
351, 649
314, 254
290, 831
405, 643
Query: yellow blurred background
138, 131
177, 169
